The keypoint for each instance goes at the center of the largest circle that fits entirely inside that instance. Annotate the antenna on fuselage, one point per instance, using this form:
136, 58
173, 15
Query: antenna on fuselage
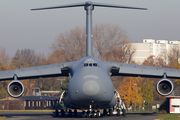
89, 7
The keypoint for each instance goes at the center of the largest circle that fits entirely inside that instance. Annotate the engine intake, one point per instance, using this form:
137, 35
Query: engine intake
15, 88
164, 87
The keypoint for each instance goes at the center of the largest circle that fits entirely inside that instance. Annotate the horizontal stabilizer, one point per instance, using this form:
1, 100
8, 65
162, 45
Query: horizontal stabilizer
89, 3
61, 6
116, 6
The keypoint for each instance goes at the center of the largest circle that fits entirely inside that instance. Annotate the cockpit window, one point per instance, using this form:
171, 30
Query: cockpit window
85, 64
90, 64
95, 64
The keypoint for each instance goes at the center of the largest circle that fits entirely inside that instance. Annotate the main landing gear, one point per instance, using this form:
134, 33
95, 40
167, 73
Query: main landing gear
112, 112
89, 113
63, 113
118, 109
71, 113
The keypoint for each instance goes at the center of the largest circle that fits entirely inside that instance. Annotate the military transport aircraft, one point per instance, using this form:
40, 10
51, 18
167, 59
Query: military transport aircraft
90, 87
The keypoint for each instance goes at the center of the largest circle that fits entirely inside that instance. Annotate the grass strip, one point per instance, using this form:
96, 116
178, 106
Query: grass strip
2, 117
140, 112
27, 110
170, 117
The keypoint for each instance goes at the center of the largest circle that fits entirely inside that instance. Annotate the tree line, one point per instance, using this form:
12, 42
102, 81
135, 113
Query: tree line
111, 43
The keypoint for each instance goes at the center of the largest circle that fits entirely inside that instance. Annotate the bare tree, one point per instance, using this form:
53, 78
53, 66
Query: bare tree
122, 54
174, 54
72, 43
106, 38
27, 58
4, 58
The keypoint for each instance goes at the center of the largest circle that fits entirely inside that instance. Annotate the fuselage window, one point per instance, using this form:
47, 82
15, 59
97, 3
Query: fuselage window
90, 64
95, 64
85, 64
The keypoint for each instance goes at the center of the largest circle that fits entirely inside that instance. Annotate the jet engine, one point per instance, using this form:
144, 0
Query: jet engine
15, 88
164, 87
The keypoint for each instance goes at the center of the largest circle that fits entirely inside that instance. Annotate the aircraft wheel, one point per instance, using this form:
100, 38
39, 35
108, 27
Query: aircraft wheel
70, 113
98, 114
110, 112
83, 114
93, 114
56, 113
62, 113
75, 113
118, 112
123, 112
88, 114
104, 112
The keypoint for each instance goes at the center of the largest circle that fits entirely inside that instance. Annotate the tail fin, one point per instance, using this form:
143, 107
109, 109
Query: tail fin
89, 7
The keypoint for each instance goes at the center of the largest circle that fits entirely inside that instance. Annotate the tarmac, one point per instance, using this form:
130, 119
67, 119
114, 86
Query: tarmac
51, 116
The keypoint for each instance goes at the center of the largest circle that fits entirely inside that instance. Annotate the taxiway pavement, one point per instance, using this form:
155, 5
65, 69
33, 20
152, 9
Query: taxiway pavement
50, 116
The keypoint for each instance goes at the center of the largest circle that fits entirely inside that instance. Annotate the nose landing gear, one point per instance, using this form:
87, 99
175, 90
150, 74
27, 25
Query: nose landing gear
91, 113
94, 114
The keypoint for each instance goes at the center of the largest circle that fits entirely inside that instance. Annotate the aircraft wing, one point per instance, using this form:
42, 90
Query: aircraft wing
123, 69
54, 70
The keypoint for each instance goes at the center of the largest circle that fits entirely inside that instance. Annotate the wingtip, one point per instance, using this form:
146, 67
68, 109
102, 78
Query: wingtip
145, 9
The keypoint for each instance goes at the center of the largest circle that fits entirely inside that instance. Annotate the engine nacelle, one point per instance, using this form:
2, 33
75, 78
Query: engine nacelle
15, 88
164, 87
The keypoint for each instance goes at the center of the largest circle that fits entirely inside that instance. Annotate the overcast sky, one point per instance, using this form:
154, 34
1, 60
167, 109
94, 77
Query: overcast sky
22, 28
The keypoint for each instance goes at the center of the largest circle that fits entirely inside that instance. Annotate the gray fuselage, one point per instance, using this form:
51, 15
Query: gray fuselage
90, 84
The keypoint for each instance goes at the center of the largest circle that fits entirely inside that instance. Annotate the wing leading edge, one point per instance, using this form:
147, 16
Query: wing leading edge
123, 69
53, 70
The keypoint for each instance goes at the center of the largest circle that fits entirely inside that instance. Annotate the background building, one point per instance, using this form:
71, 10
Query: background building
28, 103
174, 104
149, 47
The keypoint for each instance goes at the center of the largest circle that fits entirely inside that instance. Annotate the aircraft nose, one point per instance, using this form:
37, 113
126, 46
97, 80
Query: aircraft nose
90, 88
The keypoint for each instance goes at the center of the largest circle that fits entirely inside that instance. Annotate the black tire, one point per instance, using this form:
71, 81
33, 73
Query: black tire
70, 113
56, 113
104, 112
123, 112
75, 113
83, 114
88, 114
118, 112
93, 114
62, 113
110, 112
98, 114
